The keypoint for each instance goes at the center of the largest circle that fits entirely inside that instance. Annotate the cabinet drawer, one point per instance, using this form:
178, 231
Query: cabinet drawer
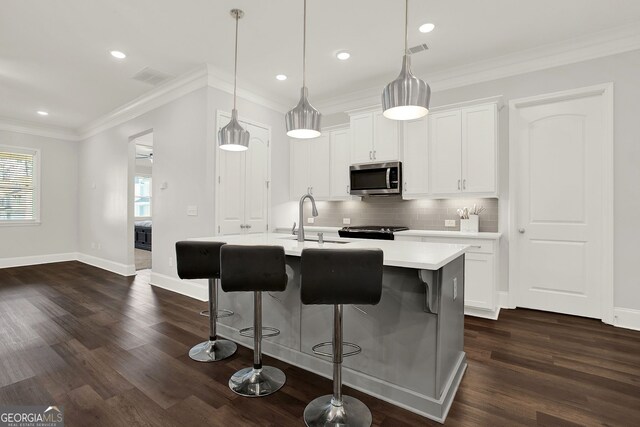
477, 245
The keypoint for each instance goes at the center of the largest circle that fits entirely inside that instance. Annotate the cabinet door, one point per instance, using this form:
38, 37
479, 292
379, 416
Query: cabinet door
445, 142
415, 165
362, 138
479, 147
339, 165
319, 164
299, 168
479, 279
256, 194
385, 139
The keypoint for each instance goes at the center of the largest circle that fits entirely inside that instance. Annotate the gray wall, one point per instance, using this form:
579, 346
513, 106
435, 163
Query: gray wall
57, 231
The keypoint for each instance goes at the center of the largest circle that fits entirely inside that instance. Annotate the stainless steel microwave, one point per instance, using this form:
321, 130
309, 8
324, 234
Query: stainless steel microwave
373, 179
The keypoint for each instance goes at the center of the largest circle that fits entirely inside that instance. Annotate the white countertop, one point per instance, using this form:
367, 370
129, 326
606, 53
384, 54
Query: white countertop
453, 234
417, 255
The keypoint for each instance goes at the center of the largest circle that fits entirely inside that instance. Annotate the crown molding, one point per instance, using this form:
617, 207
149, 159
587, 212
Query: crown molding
593, 46
167, 92
38, 129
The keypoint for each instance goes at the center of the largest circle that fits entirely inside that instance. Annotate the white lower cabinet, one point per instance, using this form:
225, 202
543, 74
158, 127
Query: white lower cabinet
480, 273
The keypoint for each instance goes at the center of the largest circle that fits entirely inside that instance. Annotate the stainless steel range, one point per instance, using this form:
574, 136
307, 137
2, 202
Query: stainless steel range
380, 232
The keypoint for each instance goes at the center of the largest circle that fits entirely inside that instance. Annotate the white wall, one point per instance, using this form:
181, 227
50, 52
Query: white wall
57, 232
184, 158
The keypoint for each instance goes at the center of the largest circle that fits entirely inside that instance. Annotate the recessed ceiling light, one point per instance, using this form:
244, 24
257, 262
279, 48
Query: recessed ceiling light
281, 77
43, 113
426, 28
117, 54
342, 55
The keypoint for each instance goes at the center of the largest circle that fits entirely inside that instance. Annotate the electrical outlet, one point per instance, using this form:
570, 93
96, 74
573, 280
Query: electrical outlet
346, 221
449, 222
311, 220
455, 288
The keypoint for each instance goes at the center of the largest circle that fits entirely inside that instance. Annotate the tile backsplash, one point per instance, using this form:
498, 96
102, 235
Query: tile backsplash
415, 214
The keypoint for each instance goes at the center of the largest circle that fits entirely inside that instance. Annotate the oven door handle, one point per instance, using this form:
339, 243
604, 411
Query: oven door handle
389, 178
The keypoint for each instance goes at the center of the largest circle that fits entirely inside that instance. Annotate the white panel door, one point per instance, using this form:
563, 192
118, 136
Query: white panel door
385, 138
362, 138
416, 158
299, 168
445, 142
256, 194
319, 164
340, 163
479, 146
231, 186
559, 147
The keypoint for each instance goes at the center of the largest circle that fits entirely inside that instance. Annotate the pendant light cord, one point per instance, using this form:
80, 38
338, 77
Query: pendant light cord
406, 27
235, 67
304, 47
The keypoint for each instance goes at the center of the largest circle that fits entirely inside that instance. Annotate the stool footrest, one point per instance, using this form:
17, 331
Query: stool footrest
357, 349
248, 332
222, 313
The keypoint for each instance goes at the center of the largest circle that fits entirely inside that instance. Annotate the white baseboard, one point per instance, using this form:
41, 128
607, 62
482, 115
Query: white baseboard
481, 312
105, 264
626, 318
184, 287
37, 259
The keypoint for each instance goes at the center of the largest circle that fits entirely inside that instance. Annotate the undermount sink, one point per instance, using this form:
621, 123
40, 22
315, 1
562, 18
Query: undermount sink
316, 240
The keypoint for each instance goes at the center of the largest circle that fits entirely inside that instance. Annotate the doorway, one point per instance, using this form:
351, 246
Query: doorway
142, 203
561, 186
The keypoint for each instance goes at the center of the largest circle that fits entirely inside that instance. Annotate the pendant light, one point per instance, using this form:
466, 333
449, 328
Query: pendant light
303, 121
407, 97
233, 137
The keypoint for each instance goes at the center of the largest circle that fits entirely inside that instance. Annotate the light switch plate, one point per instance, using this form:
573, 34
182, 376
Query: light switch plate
346, 221
192, 210
449, 222
311, 220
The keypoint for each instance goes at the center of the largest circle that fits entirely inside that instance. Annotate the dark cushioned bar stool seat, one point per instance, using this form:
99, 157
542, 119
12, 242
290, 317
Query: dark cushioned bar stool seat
255, 269
201, 260
336, 277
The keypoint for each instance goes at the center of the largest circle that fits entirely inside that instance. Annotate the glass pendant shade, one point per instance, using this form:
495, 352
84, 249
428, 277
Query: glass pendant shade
233, 137
303, 121
407, 97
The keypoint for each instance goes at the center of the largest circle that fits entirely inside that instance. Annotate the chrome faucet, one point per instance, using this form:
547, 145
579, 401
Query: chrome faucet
314, 212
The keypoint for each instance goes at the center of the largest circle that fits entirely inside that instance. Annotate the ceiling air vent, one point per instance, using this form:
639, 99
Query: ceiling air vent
150, 76
418, 48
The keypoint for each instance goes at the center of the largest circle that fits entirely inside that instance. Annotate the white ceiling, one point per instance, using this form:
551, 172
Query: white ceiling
54, 53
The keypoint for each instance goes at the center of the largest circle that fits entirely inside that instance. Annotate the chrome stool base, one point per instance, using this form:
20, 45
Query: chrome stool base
250, 382
212, 351
321, 412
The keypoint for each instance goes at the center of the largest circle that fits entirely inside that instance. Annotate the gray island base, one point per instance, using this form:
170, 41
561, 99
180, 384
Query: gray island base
412, 341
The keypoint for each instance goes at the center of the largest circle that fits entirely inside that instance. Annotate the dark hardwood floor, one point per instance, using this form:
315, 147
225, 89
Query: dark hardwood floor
113, 351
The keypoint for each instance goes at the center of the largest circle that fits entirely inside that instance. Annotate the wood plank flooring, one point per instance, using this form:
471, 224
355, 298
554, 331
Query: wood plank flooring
113, 351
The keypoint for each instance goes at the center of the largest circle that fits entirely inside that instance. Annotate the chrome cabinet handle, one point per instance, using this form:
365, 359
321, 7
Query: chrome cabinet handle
405, 186
247, 226
310, 190
370, 155
348, 189
458, 184
521, 230
464, 184
242, 226
374, 154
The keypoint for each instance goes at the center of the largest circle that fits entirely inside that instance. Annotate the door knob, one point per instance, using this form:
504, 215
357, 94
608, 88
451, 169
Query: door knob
521, 230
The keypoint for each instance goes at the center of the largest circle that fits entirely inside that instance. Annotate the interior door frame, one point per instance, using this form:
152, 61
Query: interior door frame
222, 117
605, 92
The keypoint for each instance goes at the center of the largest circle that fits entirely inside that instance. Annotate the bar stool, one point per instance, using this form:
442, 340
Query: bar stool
255, 269
336, 277
201, 260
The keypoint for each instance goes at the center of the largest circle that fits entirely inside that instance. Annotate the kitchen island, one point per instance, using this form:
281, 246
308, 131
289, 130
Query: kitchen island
412, 341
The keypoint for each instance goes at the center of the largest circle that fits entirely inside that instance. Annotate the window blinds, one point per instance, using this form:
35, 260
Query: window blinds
17, 191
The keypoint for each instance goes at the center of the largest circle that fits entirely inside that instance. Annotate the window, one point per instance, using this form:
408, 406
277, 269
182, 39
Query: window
19, 186
142, 201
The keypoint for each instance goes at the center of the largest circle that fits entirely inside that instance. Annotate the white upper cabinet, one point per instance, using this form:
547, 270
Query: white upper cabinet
415, 173
445, 141
340, 162
310, 161
479, 148
374, 138
463, 151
